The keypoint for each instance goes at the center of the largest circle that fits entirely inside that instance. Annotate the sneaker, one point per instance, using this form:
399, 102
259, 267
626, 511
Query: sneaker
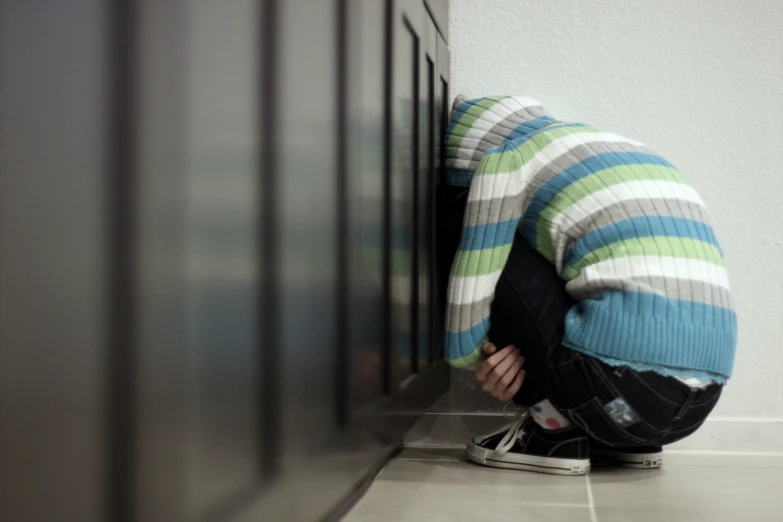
525, 445
639, 457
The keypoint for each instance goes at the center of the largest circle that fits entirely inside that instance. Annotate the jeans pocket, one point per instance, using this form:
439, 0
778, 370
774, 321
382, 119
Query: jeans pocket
599, 425
694, 418
677, 435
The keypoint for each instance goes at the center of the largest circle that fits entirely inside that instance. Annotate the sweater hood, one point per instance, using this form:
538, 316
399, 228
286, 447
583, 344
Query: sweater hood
481, 124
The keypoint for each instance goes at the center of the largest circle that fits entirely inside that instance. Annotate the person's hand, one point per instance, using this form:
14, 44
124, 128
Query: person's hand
501, 374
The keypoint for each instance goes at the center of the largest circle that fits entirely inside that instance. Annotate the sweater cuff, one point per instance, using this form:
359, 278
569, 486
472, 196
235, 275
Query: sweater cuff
468, 362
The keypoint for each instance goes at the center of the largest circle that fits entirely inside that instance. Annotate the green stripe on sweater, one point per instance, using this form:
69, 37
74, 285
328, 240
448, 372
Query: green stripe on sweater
591, 184
544, 137
525, 151
466, 121
480, 262
468, 361
649, 246
499, 164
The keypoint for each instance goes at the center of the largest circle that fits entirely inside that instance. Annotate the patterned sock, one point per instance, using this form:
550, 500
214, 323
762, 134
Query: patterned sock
548, 417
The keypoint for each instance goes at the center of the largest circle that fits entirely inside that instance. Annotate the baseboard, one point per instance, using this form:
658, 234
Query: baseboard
718, 435
736, 435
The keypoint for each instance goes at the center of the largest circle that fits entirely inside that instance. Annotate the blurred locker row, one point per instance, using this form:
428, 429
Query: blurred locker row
221, 273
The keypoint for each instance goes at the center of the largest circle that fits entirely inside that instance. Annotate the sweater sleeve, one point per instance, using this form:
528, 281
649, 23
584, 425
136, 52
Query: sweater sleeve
492, 214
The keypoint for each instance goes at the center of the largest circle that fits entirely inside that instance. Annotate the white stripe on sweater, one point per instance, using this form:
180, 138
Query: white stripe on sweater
497, 112
650, 266
495, 186
558, 147
515, 103
485, 122
491, 117
472, 289
627, 191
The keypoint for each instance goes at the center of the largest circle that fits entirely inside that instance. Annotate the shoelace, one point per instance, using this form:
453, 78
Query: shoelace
514, 433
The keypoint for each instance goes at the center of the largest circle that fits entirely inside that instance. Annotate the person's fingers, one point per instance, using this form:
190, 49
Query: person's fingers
489, 349
499, 371
512, 390
499, 391
495, 358
493, 361
509, 376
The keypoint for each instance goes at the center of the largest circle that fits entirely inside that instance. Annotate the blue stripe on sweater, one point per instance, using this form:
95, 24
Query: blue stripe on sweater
459, 177
464, 106
653, 305
521, 140
656, 330
463, 177
460, 344
491, 235
526, 127
523, 129
638, 227
549, 190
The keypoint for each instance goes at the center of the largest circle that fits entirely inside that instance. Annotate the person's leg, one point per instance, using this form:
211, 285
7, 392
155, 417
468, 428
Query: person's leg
627, 415
630, 415
617, 406
529, 312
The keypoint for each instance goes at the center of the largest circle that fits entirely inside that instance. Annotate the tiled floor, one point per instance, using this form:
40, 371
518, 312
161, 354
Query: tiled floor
434, 485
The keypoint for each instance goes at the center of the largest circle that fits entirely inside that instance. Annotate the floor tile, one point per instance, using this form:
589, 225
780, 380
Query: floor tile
369, 510
688, 493
742, 460
444, 430
460, 481
432, 454
465, 395
431, 484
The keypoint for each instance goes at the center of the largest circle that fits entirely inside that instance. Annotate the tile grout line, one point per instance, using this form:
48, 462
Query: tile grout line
708, 453
422, 459
593, 516
700, 453
467, 413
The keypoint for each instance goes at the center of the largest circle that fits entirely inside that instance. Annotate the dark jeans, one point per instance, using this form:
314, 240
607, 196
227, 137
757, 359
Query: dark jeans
617, 406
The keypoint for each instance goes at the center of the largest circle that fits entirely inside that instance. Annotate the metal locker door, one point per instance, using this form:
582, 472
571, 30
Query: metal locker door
365, 84
222, 252
55, 95
425, 199
199, 203
407, 31
442, 260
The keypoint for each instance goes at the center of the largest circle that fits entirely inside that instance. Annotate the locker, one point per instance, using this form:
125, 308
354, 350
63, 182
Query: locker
221, 285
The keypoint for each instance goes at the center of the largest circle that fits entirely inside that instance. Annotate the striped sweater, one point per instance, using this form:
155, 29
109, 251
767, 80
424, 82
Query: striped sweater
622, 226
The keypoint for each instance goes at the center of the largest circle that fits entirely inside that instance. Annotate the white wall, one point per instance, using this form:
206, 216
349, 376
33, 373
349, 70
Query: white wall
700, 81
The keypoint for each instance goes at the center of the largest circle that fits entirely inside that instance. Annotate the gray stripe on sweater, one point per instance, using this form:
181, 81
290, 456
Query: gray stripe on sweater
568, 236
571, 157
479, 212
460, 317
497, 135
556, 166
673, 288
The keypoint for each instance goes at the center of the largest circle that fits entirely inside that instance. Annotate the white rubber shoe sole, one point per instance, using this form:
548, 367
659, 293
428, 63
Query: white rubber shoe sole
629, 460
551, 465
